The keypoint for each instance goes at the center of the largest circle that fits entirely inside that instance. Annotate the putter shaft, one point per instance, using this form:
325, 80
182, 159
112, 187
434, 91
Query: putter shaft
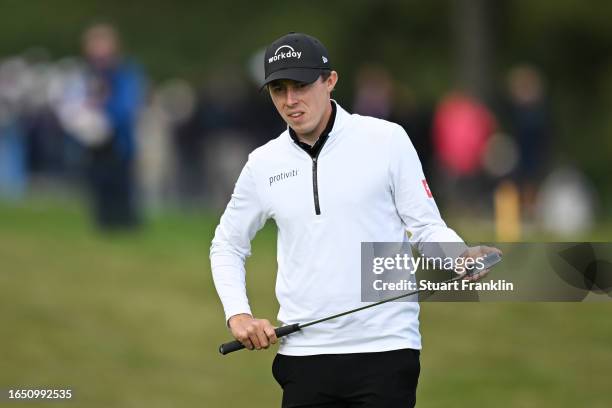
489, 261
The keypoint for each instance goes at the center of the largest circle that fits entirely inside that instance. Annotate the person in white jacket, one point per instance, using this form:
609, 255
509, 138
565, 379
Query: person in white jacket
331, 181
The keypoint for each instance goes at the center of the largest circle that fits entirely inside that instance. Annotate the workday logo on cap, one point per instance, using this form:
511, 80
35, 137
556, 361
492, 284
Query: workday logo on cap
288, 52
297, 57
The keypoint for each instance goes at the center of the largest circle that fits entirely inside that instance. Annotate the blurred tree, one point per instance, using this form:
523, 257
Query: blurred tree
473, 36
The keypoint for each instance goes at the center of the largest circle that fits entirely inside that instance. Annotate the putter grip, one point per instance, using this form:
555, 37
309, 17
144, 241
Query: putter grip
235, 345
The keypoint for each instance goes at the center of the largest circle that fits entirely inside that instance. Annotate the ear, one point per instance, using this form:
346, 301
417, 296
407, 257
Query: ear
332, 81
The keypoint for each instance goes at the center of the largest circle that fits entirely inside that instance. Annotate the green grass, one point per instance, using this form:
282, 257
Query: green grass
133, 320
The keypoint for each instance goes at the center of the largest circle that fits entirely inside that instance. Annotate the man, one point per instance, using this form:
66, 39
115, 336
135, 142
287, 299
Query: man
100, 109
330, 181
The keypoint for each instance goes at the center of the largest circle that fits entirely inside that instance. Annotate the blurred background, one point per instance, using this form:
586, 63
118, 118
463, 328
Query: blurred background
124, 125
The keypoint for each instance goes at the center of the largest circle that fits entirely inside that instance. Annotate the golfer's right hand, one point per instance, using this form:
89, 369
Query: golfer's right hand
251, 332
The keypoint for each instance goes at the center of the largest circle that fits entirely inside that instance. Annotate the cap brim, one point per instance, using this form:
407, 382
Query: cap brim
306, 75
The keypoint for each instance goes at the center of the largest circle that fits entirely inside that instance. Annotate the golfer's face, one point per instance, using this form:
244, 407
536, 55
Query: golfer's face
302, 105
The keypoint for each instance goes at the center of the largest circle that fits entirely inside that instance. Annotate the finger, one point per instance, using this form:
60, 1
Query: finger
474, 251
247, 343
472, 278
491, 250
243, 337
480, 275
254, 338
269, 330
263, 324
486, 249
263, 339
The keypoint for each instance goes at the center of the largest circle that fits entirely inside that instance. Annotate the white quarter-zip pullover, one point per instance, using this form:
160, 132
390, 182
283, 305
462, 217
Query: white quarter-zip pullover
366, 185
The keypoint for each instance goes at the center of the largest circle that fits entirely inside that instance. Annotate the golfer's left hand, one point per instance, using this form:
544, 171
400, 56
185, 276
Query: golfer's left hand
478, 252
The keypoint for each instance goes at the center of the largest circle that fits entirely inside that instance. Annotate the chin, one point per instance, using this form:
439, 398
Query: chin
303, 130
298, 127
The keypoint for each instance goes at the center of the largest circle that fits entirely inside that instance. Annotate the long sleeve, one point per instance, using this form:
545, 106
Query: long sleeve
243, 217
414, 201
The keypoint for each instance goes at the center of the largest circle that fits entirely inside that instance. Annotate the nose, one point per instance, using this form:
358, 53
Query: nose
292, 97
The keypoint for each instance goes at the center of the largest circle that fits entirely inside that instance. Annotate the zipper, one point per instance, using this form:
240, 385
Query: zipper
315, 158
315, 186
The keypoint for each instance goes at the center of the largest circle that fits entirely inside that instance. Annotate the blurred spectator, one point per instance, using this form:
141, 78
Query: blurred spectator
415, 118
229, 121
261, 117
48, 144
461, 128
171, 107
12, 159
566, 203
528, 122
378, 95
189, 147
100, 108
12, 142
229, 138
373, 92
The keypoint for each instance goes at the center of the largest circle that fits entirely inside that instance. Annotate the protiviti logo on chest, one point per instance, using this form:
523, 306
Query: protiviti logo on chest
282, 176
288, 52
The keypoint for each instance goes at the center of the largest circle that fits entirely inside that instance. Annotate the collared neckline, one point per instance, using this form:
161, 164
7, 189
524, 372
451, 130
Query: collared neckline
315, 149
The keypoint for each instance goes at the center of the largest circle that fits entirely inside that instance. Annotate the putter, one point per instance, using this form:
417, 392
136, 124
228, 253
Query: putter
488, 261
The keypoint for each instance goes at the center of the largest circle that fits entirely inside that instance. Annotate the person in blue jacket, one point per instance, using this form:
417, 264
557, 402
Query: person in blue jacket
115, 87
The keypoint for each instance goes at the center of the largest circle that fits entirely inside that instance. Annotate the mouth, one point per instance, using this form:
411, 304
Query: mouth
296, 115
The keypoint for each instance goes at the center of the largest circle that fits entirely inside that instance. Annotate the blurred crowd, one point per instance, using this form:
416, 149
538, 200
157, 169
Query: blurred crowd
96, 124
